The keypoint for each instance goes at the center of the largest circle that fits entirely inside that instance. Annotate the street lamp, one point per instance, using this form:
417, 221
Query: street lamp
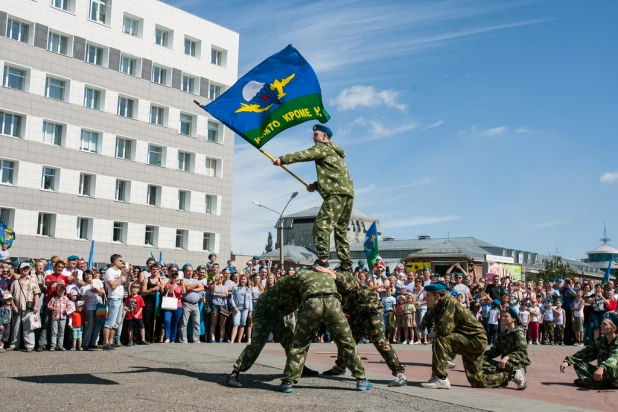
280, 224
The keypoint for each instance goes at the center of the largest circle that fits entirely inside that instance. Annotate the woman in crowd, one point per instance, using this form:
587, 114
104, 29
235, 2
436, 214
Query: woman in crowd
597, 301
151, 293
219, 294
93, 293
270, 281
175, 288
577, 318
421, 309
242, 304
256, 291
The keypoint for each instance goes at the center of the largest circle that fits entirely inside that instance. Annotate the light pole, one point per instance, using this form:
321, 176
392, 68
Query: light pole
280, 224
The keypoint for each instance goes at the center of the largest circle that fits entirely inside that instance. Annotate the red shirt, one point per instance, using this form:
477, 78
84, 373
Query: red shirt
77, 319
134, 303
612, 305
51, 290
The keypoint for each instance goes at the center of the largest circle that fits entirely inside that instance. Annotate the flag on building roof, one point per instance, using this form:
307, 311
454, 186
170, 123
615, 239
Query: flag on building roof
281, 92
371, 245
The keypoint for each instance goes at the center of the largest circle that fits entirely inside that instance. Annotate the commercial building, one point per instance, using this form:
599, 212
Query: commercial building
99, 136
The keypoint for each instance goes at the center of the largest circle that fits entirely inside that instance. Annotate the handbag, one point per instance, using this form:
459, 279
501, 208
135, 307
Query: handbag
101, 312
224, 312
35, 321
169, 302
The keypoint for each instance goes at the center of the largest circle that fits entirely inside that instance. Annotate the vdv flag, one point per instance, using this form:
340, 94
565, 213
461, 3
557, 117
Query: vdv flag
91, 256
7, 235
605, 280
371, 245
279, 93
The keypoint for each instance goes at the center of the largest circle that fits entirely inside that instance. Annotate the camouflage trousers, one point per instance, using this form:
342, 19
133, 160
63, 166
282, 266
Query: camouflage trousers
315, 311
558, 334
334, 214
282, 329
585, 371
491, 366
471, 351
371, 325
548, 332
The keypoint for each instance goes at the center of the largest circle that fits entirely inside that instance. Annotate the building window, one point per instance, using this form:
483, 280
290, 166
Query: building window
157, 115
120, 232
190, 47
66, 5
128, 65
94, 55
151, 237
162, 37
86, 184
159, 75
188, 84
184, 200
214, 91
55, 89
208, 241
125, 107
84, 228
124, 148
17, 30
130, 26
89, 141
184, 161
181, 238
98, 10
7, 171
92, 98
186, 124
50, 177
213, 132
155, 155
213, 167
14, 78
123, 188
10, 124
7, 216
216, 57
57, 43
46, 225
211, 205
52, 133
153, 195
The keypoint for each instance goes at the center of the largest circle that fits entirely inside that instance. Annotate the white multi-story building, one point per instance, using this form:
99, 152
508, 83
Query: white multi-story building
99, 135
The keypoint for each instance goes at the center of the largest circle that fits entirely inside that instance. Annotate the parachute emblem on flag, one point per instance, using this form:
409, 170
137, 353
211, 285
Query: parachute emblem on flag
257, 93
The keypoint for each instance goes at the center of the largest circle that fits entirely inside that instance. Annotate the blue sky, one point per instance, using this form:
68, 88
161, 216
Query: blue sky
493, 119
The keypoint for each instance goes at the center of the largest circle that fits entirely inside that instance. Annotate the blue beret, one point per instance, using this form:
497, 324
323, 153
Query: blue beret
256, 257
514, 314
323, 129
201, 267
436, 287
73, 257
497, 302
212, 255
263, 267
361, 262
613, 318
171, 265
187, 265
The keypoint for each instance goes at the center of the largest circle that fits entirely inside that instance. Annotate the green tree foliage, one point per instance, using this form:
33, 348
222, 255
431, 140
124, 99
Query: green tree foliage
269, 243
554, 268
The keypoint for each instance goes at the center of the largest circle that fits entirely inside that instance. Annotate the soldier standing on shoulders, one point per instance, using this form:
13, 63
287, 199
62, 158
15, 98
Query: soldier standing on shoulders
336, 188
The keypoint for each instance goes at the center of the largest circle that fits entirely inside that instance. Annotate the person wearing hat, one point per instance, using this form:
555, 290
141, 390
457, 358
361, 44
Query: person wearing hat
458, 332
512, 348
605, 351
212, 258
337, 190
75, 275
26, 294
6, 314
361, 266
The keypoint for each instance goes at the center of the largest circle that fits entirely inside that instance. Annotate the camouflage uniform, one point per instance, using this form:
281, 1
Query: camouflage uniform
271, 315
337, 189
606, 355
366, 318
320, 305
458, 332
513, 345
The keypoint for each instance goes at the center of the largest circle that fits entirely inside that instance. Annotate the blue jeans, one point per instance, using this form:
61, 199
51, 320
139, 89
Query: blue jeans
240, 317
170, 322
420, 314
492, 333
92, 330
114, 313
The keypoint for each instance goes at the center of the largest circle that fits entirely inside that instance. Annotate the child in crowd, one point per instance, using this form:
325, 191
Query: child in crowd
548, 322
475, 308
460, 299
401, 300
559, 315
577, 318
524, 317
533, 326
389, 303
409, 319
60, 307
76, 324
134, 305
6, 315
485, 307
494, 321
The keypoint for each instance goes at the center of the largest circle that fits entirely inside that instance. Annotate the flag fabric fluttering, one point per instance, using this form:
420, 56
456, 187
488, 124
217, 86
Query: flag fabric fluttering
605, 280
279, 93
7, 235
371, 245
91, 256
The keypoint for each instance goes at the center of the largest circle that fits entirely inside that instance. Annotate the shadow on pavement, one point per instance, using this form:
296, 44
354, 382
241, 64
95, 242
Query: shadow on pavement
78, 378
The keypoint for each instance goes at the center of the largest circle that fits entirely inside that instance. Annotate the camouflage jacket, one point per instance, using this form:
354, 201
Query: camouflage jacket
451, 317
279, 300
311, 283
333, 176
606, 354
513, 345
356, 297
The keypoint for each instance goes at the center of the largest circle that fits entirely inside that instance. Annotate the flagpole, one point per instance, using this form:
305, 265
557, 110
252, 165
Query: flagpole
285, 168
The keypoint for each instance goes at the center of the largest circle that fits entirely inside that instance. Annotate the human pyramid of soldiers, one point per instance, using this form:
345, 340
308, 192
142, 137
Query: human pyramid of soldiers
324, 295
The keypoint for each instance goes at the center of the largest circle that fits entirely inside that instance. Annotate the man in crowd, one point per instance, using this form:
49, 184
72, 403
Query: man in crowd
51, 281
605, 351
25, 291
337, 190
190, 306
426, 276
73, 273
116, 280
493, 288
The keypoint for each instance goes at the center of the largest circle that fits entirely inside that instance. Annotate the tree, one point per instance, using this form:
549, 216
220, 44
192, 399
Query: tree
269, 243
554, 268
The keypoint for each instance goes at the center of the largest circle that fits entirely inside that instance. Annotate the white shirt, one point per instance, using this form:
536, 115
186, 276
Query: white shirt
549, 315
493, 316
114, 274
535, 312
90, 296
69, 272
463, 289
578, 313
4, 254
524, 316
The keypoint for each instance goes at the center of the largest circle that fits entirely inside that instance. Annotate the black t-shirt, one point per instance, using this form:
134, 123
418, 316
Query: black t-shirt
598, 306
495, 291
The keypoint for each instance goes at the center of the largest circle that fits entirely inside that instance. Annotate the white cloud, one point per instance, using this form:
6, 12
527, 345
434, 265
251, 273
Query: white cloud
367, 96
523, 130
549, 224
436, 124
379, 129
610, 177
425, 181
418, 221
494, 131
